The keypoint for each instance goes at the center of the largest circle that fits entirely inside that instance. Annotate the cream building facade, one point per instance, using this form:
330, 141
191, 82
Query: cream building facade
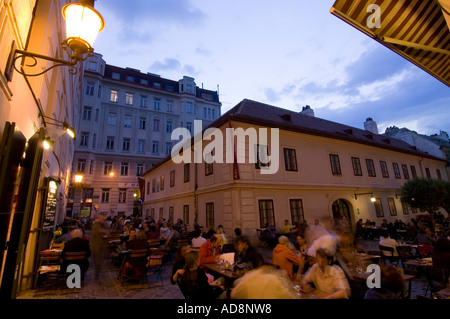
125, 128
326, 171
33, 188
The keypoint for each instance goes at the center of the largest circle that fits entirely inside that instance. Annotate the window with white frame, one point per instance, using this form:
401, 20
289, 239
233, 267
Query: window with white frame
105, 195
107, 168
87, 112
155, 125
141, 146
90, 87
110, 142
84, 139
124, 169
129, 99
81, 165
139, 169
114, 96
122, 195
126, 144
157, 104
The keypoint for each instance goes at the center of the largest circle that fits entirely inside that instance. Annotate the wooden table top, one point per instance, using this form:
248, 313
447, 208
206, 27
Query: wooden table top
222, 271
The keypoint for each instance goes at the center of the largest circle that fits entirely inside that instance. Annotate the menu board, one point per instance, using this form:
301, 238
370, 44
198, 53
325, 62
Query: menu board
50, 211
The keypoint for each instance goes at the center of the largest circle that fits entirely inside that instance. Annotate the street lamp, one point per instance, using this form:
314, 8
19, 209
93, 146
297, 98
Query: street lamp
83, 23
78, 178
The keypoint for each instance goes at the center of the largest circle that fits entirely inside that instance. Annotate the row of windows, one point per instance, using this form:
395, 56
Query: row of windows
132, 79
126, 143
108, 168
151, 213
371, 172
88, 195
267, 212
106, 192
290, 160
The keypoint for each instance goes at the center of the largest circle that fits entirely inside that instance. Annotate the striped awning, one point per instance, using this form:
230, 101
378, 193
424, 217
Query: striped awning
418, 30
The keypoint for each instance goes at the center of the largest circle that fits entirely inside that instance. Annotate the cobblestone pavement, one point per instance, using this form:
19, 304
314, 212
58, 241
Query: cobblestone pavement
108, 286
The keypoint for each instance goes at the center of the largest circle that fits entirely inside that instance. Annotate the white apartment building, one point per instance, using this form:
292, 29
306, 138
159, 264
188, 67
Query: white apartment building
327, 171
125, 128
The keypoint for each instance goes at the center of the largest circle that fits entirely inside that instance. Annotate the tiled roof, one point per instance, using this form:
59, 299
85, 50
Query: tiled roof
256, 113
270, 116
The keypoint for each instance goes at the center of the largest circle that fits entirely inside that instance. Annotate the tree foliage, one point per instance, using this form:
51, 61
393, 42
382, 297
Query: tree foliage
426, 194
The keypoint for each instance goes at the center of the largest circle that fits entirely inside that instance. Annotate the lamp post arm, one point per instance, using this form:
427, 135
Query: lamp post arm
20, 54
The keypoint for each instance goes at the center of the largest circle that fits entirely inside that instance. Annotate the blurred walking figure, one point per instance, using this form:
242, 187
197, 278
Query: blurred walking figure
99, 234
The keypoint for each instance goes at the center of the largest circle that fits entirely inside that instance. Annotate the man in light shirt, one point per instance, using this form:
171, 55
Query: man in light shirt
388, 241
198, 241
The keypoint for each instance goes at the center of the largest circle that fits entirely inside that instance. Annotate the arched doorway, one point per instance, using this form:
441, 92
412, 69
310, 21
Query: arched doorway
342, 213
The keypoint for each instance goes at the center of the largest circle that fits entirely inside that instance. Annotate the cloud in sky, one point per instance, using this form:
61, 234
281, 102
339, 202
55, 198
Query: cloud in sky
288, 53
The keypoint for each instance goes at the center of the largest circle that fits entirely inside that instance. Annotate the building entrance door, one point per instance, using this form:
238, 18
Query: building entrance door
341, 213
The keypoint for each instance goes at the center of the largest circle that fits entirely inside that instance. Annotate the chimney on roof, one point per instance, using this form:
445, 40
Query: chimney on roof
371, 126
307, 110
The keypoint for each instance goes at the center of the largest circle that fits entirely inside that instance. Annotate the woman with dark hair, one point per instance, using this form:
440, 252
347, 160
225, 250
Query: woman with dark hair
194, 282
179, 262
392, 284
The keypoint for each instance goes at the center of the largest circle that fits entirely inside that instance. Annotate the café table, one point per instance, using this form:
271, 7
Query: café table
222, 271
443, 294
420, 263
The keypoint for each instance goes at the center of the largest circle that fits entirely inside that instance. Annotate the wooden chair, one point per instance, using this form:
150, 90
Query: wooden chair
48, 271
387, 254
59, 246
153, 243
135, 266
79, 258
155, 263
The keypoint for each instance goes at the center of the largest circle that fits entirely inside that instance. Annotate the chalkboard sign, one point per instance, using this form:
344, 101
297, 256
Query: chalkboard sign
50, 211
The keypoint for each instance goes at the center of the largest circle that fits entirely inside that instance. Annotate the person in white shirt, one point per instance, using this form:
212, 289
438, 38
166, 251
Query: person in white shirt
198, 241
387, 241
164, 232
330, 280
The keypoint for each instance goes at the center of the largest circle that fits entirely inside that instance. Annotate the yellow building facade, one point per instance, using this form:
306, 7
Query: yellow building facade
32, 108
326, 171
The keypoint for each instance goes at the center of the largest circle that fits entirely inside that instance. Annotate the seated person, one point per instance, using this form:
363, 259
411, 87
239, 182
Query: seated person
285, 258
424, 237
329, 279
440, 272
210, 251
246, 253
194, 282
76, 244
153, 233
286, 227
137, 265
388, 241
178, 263
392, 284
198, 240
138, 242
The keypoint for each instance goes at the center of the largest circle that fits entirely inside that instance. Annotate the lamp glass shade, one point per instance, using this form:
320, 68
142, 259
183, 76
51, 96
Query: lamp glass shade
78, 178
373, 199
70, 132
82, 22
